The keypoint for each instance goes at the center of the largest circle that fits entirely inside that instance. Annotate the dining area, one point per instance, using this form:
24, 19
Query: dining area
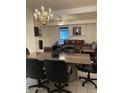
60, 71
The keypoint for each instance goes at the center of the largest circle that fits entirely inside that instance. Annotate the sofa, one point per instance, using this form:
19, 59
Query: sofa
90, 49
75, 44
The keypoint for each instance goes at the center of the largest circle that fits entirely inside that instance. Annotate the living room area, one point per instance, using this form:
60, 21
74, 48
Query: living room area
79, 23
65, 35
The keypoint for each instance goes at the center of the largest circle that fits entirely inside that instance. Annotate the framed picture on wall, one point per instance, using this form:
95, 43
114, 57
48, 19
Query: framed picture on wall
76, 31
36, 31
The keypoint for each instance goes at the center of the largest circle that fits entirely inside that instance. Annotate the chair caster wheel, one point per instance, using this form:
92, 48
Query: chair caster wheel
55, 84
83, 85
48, 89
36, 91
79, 77
66, 85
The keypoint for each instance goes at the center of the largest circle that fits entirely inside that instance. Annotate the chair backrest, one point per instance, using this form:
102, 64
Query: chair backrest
27, 51
56, 47
94, 45
34, 68
94, 65
69, 49
56, 70
56, 50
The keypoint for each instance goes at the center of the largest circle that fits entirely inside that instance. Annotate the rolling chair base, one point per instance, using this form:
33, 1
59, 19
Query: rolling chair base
39, 85
88, 79
60, 89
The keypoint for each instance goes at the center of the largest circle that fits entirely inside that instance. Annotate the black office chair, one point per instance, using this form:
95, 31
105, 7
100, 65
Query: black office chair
34, 71
27, 54
92, 68
71, 50
27, 51
57, 71
55, 51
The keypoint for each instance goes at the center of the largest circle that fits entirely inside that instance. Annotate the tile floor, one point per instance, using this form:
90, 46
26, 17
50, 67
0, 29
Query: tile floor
74, 86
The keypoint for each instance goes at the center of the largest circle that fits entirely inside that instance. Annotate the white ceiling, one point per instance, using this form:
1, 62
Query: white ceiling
69, 10
82, 16
59, 4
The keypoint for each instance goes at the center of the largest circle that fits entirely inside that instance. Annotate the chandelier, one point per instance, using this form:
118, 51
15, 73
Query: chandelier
43, 16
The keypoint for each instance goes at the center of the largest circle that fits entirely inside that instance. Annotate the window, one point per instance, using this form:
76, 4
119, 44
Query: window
63, 34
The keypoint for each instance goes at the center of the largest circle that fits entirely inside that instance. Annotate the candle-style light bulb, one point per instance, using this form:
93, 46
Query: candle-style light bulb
50, 10
46, 13
35, 16
42, 8
36, 10
51, 16
38, 13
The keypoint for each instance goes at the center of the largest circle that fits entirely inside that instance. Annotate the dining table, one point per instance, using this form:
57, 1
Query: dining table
73, 59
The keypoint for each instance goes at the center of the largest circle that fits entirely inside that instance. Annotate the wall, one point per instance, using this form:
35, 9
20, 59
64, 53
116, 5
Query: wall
88, 32
30, 39
50, 34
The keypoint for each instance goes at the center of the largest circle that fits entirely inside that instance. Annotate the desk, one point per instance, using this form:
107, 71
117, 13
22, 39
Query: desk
71, 58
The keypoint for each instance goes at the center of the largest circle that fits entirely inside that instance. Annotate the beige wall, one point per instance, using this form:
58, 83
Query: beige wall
90, 33
50, 35
30, 39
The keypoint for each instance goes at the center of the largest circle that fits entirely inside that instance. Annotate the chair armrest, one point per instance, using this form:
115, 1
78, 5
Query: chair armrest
70, 70
87, 45
87, 50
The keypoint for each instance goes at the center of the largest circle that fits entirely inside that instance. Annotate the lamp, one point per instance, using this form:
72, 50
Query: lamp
44, 17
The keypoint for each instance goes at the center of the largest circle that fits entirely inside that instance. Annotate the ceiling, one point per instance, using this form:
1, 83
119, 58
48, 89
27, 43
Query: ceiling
82, 16
59, 4
69, 10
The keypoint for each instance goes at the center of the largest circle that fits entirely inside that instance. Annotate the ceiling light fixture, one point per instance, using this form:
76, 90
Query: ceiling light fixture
60, 21
44, 17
